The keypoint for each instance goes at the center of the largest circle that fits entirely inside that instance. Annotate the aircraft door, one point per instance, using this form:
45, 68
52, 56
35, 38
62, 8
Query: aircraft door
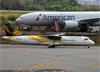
26, 40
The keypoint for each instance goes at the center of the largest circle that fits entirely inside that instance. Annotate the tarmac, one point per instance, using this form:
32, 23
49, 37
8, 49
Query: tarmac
37, 58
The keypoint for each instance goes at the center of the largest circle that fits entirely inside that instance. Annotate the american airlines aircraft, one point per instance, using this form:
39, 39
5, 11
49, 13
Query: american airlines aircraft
69, 20
50, 40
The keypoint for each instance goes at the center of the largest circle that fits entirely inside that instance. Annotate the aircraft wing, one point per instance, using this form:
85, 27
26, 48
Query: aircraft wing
53, 37
93, 20
60, 34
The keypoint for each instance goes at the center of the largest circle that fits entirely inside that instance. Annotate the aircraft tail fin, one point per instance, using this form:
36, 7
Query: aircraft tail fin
10, 31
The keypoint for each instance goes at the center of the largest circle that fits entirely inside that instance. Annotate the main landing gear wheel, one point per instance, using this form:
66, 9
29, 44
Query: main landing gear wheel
51, 46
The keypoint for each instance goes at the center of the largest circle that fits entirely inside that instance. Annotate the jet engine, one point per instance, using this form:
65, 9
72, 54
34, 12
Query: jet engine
97, 24
71, 24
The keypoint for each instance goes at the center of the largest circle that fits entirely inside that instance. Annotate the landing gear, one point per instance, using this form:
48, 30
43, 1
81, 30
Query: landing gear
88, 46
85, 28
51, 46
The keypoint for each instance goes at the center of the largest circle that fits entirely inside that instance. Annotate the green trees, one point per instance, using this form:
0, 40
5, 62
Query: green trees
11, 18
46, 5
10, 5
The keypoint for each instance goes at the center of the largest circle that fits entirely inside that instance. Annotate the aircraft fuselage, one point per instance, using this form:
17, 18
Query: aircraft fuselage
46, 18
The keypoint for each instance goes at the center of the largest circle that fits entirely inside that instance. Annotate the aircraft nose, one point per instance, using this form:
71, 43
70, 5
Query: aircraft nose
92, 42
18, 20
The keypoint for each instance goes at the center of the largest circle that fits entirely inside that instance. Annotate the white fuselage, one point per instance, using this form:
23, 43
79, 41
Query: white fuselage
46, 18
65, 40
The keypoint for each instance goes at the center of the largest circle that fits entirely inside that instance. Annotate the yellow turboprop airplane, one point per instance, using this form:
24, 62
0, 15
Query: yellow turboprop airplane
50, 40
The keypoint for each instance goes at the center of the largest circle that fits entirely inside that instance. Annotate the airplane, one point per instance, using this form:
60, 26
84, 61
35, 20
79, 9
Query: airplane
49, 40
67, 20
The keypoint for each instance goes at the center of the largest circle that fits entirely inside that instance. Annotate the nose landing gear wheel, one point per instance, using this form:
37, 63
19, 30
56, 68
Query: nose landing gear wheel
88, 47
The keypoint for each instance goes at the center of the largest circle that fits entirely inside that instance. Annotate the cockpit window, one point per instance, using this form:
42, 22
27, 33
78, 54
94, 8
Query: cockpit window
21, 17
86, 39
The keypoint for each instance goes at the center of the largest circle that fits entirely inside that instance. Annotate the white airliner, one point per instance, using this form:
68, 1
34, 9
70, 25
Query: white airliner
69, 20
50, 40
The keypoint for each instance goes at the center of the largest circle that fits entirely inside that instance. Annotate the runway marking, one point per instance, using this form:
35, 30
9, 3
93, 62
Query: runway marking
42, 65
47, 64
62, 71
74, 59
54, 71
57, 60
96, 64
26, 52
37, 70
5, 50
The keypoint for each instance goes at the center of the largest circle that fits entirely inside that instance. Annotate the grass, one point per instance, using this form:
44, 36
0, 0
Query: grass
96, 39
6, 14
2, 41
2, 34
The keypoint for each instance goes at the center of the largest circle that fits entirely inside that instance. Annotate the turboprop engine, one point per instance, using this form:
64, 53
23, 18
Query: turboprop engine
71, 24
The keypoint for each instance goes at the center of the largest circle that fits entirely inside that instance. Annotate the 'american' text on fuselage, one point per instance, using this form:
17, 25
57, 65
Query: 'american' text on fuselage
61, 17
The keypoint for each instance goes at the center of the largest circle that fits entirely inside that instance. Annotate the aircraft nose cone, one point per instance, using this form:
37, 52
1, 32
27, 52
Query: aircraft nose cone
18, 20
92, 42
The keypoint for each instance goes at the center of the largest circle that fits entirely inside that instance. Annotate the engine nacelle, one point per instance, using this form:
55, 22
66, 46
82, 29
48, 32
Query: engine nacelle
97, 24
71, 25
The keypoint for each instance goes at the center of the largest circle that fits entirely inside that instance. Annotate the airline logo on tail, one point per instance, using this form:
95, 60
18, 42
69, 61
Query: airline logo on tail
38, 17
10, 31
